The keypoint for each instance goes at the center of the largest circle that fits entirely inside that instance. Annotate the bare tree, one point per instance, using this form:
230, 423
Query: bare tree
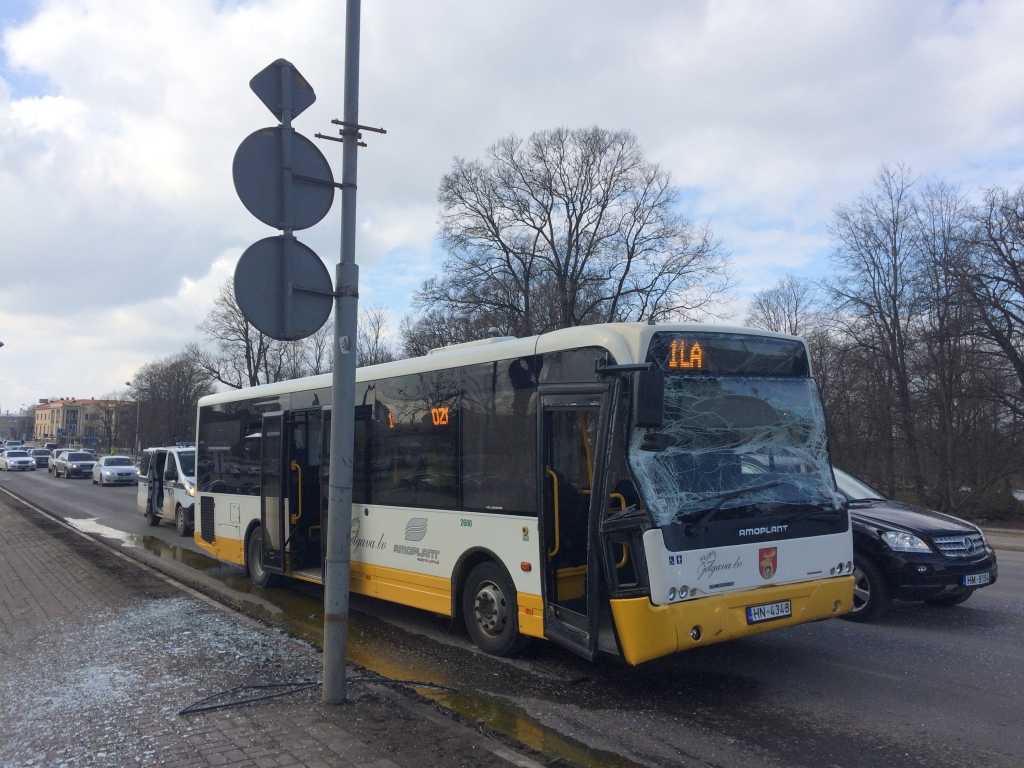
373, 341
877, 258
169, 392
565, 228
243, 356
995, 280
786, 307
116, 419
318, 356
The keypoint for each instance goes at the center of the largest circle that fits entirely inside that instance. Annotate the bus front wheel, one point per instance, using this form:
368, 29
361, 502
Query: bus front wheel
491, 612
254, 560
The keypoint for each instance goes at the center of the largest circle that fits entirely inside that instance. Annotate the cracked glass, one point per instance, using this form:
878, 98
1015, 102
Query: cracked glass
736, 446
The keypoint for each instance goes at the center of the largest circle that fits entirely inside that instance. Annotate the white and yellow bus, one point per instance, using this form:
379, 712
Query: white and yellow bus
626, 488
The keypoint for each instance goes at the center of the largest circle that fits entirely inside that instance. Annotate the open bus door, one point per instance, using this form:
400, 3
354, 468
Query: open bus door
291, 491
572, 426
273, 500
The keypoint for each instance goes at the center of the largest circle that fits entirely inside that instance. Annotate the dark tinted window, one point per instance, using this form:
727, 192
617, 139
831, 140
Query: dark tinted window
72, 456
117, 461
229, 447
416, 441
188, 463
499, 437
573, 365
362, 455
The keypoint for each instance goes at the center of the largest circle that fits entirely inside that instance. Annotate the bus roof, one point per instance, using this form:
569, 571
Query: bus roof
627, 342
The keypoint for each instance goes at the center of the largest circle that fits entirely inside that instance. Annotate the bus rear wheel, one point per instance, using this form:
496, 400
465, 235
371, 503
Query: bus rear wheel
491, 612
254, 560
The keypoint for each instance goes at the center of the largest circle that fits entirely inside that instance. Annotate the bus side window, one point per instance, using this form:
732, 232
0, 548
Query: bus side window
499, 436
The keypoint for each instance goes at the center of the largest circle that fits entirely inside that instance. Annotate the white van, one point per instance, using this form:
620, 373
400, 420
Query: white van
167, 487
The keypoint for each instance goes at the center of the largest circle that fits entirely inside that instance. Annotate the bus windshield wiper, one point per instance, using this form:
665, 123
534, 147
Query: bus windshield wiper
811, 513
722, 498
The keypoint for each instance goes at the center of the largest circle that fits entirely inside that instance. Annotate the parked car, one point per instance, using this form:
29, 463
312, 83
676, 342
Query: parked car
115, 470
904, 552
41, 457
167, 487
13, 459
54, 455
73, 464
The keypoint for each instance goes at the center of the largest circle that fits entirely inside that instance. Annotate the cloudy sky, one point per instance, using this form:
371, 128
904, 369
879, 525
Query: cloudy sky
119, 120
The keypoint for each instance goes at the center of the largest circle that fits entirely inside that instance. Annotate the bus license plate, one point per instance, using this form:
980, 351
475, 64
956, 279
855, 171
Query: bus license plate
977, 579
758, 613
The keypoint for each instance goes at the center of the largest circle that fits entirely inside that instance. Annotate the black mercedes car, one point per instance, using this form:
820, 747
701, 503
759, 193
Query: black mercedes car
904, 552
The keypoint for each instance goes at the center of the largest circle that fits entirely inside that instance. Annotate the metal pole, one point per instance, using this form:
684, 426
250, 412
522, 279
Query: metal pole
346, 306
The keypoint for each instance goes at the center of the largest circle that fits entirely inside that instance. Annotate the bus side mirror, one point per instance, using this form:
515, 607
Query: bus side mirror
648, 398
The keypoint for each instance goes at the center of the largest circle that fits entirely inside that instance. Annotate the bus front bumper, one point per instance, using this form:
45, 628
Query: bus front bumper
647, 631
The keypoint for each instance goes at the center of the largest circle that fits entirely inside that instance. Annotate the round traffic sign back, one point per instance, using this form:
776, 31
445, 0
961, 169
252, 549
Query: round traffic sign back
283, 288
259, 181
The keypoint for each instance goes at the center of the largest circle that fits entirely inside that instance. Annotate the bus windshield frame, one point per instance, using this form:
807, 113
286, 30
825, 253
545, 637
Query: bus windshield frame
735, 445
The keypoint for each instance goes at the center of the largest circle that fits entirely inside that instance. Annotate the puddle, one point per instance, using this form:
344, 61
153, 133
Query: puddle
90, 525
381, 648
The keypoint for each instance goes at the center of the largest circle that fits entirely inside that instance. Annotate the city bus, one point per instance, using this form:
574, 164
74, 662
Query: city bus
631, 489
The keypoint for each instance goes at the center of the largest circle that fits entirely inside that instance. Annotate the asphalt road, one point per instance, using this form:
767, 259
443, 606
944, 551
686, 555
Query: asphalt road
925, 687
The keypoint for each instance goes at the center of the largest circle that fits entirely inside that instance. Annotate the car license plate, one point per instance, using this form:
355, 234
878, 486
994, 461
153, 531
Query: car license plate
977, 579
769, 612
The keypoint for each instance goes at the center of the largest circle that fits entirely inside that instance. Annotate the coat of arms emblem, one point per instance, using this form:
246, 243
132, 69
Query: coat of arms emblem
768, 560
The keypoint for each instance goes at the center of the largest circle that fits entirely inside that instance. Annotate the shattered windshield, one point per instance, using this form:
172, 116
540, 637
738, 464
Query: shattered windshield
734, 444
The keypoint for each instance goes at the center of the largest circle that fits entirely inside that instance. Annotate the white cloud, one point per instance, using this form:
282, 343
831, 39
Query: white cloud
118, 207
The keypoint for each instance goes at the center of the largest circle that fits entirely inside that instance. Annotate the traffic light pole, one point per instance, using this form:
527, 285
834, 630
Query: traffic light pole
346, 308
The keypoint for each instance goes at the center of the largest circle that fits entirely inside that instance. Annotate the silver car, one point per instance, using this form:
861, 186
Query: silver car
17, 459
73, 464
115, 470
54, 455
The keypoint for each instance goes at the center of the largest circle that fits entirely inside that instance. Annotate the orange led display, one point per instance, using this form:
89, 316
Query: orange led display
439, 416
678, 360
391, 422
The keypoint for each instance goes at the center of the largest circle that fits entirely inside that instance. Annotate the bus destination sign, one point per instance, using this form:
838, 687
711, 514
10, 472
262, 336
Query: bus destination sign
727, 354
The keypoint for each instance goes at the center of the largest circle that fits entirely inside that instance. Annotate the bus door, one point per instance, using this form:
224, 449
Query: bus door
272, 492
290, 491
303, 463
571, 447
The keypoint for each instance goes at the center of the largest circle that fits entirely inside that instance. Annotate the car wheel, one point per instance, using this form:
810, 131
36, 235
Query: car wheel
254, 560
490, 611
180, 524
871, 599
153, 520
948, 601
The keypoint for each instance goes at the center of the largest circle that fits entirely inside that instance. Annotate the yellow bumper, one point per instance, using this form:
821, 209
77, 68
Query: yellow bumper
647, 631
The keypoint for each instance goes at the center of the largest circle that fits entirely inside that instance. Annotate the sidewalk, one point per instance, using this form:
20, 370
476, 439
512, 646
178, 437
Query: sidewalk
98, 655
1007, 539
